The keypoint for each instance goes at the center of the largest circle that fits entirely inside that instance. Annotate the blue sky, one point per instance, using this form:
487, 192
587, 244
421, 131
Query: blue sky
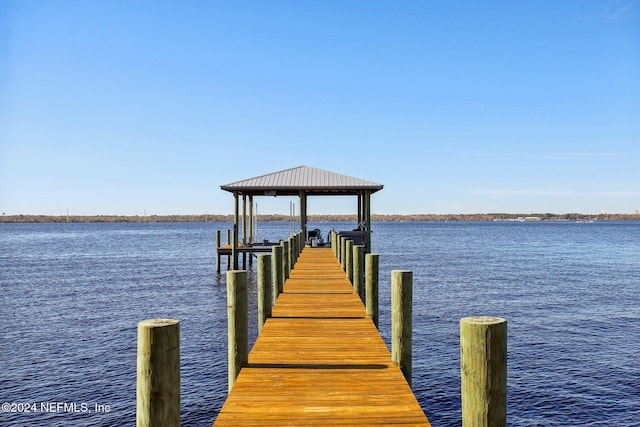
134, 107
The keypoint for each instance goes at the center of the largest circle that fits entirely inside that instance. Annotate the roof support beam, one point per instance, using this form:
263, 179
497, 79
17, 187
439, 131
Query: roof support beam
367, 216
360, 209
303, 213
244, 219
250, 221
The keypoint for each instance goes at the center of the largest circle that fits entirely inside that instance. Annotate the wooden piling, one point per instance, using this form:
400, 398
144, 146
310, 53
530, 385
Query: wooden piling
237, 314
483, 363
343, 252
292, 255
158, 373
371, 277
349, 261
230, 243
277, 271
218, 244
332, 237
401, 314
358, 271
265, 297
301, 243
294, 249
285, 259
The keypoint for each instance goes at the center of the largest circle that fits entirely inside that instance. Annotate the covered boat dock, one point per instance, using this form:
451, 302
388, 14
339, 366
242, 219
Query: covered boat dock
301, 181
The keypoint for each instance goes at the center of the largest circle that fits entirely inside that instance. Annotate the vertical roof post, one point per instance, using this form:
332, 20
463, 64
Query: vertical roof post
244, 219
360, 209
250, 218
303, 213
367, 218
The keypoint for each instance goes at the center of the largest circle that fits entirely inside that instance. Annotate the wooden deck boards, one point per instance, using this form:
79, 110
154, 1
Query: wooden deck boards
319, 360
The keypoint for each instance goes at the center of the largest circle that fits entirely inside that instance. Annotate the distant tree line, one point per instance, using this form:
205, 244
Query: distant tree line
317, 218
507, 217
115, 218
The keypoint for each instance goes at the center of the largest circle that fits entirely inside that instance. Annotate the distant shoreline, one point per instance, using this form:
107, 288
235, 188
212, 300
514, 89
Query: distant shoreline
318, 218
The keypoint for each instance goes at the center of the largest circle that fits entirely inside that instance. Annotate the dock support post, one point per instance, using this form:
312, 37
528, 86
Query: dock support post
300, 238
229, 242
332, 236
217, 251
371, 277
294, 249
237, 312
367, 204
285, 259
401, 313
483, 363
349, 260
265, 299
250, 227
277, 271
251, 219
343, 253
292, 253
158, 373
358, 271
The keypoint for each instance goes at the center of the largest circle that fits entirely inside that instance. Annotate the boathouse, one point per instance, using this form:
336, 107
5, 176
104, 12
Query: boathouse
301, 181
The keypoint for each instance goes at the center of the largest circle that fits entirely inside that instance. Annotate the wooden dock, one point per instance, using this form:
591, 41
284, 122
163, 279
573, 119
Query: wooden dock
319, 361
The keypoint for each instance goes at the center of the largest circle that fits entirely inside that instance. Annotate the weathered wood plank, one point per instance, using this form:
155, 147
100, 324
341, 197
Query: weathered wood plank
318, 305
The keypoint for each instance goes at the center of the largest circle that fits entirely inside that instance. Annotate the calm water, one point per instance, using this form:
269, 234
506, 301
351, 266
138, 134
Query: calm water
72, 295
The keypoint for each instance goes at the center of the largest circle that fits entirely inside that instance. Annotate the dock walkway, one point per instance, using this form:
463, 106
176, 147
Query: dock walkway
319, 361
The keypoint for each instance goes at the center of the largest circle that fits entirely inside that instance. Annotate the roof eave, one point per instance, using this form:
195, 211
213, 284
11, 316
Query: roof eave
292, 191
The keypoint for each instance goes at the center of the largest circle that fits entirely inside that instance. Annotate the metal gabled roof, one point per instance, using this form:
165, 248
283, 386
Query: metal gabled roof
302, 178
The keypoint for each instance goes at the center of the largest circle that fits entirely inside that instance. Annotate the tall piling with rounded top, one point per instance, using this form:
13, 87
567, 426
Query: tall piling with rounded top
265, 298
483, 366
401, 320
218, 244
299, 244
285, 259
358, 271
277, 271
349, 260
158, 373
292, 253
371, 278
332, 241
238, 331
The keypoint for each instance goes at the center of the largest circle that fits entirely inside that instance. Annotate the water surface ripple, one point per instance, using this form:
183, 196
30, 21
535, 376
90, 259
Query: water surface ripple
72, 295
